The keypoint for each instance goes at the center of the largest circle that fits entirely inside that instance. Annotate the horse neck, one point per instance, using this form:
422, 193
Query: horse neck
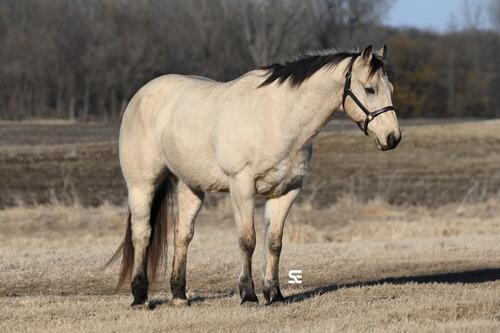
309, 107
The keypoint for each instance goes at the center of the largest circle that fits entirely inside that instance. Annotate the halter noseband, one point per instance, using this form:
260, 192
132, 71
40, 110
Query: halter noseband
363, 125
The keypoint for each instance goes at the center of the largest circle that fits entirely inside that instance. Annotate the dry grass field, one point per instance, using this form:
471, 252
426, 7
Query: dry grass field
372, 267
400, 241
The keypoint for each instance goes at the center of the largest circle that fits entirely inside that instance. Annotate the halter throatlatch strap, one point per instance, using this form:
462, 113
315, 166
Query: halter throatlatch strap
363, 125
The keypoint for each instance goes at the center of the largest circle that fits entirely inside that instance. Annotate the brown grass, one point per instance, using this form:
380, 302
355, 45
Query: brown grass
371, 267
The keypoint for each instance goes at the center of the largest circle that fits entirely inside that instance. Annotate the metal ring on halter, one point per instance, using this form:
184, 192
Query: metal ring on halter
363, 125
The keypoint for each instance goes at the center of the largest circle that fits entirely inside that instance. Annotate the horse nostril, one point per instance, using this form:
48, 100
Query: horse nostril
392, 142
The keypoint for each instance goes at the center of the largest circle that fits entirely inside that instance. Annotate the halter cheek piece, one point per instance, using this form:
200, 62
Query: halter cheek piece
363, 125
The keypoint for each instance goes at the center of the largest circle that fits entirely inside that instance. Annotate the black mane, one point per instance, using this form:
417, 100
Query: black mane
300, 70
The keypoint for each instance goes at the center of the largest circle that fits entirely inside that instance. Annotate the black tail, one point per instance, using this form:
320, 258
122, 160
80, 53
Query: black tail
161, 217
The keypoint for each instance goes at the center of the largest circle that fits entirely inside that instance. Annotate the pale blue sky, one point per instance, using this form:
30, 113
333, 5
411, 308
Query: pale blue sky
430, 14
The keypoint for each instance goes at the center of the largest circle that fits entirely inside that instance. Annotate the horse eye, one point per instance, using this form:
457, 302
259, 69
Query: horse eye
370, 91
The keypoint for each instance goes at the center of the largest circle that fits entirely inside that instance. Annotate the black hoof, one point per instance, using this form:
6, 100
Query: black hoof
248, 296
272, 294
140, 290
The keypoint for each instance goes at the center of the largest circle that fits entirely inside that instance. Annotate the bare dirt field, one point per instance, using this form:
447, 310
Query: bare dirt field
435, 164
399, 241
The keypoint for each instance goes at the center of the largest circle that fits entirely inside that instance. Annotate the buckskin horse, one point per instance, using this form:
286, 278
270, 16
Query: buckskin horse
182, 136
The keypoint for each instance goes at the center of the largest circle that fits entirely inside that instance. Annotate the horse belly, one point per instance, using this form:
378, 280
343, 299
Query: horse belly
201, 176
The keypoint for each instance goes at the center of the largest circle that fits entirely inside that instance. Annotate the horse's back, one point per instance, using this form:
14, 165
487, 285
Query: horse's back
161, 96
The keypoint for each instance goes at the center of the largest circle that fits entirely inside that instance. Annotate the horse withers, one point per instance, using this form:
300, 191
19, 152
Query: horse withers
182, 136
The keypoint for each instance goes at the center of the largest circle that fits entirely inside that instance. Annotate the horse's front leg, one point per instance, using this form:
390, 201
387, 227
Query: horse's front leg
275, 215
243, 200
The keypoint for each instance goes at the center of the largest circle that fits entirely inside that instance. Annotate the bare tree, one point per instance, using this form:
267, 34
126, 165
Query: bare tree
328, 16
271, 28
494, 12
365, 11
473, 14
339, 20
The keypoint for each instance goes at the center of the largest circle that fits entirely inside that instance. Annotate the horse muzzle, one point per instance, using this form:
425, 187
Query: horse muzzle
392, 142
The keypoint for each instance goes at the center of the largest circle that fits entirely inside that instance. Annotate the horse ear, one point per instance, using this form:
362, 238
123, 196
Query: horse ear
382, 53
367, 53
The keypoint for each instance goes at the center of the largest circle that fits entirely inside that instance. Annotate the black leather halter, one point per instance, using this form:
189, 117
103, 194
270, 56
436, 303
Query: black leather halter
363, 125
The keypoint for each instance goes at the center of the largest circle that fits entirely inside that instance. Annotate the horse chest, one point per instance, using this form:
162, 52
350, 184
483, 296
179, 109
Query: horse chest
285, 175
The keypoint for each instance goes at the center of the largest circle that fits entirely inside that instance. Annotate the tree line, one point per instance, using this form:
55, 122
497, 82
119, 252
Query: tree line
84, 59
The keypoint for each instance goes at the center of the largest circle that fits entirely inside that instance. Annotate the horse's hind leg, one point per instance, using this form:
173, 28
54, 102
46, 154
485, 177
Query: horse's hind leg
275, 215
140, 201
189, 203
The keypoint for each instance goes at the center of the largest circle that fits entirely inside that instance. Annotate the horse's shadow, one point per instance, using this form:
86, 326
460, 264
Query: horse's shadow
472, 276
157, 302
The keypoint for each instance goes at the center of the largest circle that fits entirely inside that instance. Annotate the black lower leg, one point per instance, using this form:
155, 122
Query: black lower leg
272, 292
178, 287
246, 287
140, 289
247, 291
